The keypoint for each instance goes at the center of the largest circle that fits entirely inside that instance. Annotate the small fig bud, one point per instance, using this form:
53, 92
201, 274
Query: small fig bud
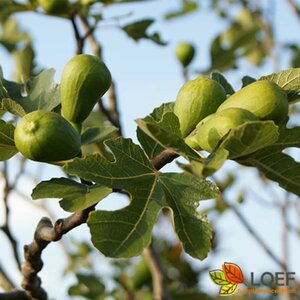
185, 53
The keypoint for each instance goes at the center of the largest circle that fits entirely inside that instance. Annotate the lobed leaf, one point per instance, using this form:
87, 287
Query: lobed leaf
41, 93
150, 146
276, 165
223, 81
149, 191
166, 133
138, 30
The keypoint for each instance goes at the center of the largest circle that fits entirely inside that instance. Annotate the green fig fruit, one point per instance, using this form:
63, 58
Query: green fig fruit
263, 98
47, 137
85, 79
197, 99
54, 6
211, 130
185, 53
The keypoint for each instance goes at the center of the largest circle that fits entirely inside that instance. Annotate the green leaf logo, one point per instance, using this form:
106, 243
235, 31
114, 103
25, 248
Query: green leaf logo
228, 278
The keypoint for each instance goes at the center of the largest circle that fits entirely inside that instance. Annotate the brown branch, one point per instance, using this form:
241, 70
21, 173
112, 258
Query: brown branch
285, 231
160, 287
78, 38
5, 227
44, 234
14, 295
294, 7
89, 35
5, 282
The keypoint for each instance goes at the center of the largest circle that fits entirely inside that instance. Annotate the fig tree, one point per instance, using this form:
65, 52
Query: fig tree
197, 99
47, 137
185, 53
215, 126
263, 98
85, 79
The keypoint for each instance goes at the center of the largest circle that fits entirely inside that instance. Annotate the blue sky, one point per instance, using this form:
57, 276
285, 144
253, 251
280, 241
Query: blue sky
147, 75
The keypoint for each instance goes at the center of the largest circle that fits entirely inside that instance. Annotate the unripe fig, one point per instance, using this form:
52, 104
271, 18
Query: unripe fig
197, 99
85, 79
211, 131
185, 53
54, 6
46, 136
263, 98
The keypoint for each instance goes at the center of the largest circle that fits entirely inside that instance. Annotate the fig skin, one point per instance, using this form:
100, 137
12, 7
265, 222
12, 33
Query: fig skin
211, 130
54, 6
85, 79
185, 53
46, 137
197, 99
263, 98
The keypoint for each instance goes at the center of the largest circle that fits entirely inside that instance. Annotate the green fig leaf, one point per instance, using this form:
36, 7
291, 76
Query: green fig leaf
150, 191
138, 30
167, 133
275, 164
42, 94
12, 106
223, 81
7, 144
187, 7
246, 80
250, 137
97, 134
150, 146
75, 196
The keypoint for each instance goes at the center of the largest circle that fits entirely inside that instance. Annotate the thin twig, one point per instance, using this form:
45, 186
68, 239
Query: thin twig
5, 227
159, 279
256, 236
285, 232
5, 282
78, 38
89, 35
294, 7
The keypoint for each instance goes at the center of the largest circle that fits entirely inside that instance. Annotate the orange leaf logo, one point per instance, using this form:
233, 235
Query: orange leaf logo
233, 273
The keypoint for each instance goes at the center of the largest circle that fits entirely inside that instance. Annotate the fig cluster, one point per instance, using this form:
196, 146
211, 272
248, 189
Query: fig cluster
206, 115
52, 137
